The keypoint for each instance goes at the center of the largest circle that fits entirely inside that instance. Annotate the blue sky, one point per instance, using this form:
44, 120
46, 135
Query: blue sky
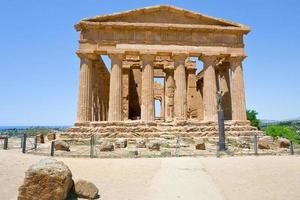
39, 70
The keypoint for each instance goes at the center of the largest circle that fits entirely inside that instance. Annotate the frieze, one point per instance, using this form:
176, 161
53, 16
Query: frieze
115, 36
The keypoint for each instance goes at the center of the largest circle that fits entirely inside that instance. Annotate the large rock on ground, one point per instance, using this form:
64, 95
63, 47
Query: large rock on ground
106, 147
86, 189
200, 145
51, 136
48, 179
283, 143
61, 145
121, 143
265, 142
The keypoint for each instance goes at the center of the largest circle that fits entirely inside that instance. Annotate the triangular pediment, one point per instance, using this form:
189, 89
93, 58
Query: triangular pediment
163, 14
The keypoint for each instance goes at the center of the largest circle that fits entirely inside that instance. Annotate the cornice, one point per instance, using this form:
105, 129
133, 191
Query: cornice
85, 25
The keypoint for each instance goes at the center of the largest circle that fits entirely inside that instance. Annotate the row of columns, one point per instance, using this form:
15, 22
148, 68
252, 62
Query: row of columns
84, 112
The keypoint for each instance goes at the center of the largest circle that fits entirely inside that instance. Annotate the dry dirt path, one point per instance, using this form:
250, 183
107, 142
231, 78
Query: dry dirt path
266, 177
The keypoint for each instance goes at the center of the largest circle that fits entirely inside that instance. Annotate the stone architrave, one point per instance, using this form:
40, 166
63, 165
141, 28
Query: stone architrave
84, 108
180, 99
209, 88
115, 95
237, 89
147, 107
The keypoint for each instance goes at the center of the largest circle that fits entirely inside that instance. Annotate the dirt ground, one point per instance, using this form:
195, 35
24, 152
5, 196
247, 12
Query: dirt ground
187, 178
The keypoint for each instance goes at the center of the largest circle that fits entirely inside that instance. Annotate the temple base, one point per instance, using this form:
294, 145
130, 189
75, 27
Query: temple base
158, 129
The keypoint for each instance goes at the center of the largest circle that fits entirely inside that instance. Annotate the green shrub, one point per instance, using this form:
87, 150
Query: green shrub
252, 117
282, 131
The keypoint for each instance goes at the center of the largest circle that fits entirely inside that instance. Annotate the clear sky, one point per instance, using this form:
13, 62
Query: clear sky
39, 70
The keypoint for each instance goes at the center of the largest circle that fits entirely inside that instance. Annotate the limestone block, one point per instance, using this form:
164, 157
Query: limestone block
61, 145
86, 189
47, 179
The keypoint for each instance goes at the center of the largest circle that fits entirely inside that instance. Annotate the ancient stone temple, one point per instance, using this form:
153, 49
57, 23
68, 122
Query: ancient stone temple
160, 42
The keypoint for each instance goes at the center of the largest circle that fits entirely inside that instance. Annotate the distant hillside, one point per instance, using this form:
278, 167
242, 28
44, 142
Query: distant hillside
295, 123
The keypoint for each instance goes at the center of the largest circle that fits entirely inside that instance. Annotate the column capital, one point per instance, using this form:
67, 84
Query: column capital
209, 59
90, 56
236, 59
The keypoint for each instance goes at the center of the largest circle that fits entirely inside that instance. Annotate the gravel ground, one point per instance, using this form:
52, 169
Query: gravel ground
247, 177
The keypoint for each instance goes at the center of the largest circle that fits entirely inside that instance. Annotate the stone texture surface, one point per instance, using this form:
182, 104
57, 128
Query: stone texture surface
61, 145
86, 189
47, 179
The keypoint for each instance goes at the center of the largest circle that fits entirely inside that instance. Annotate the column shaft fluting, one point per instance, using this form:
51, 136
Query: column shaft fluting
224, 85
169, 94
209, 88
115, 89
84, 107
147, 107
180, 107
237, 90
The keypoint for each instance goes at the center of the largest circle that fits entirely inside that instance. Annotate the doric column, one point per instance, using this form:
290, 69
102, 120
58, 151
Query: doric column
191, 90
125, 92
237, 89
180, 107
169, 93
115, 89
209, 88
147, 107
224, 85
85, 96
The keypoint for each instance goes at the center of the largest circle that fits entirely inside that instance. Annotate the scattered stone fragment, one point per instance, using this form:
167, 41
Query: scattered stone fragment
265, 142
121, 143
154, 146
140, 143
47, 179
106, 147
243, 144
40, 138
283, 143
61, 145
51, 136
200, 145
86, 189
